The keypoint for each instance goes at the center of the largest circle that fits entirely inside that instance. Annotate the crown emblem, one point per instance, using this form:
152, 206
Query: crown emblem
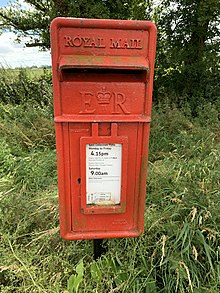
103, 96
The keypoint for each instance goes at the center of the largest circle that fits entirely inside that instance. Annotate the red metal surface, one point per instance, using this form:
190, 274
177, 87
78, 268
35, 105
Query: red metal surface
102, 83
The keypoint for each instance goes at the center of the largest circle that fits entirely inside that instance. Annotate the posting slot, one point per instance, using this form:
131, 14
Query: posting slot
103, 68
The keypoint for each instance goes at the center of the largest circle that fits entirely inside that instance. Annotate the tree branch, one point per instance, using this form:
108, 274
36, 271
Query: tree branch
35, 44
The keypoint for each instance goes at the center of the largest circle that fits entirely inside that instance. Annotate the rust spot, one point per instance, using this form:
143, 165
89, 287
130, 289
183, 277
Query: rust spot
75, 223
105, 203
119, 222
123, 206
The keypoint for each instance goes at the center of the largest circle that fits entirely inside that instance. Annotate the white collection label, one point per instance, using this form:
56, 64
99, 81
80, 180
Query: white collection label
103, 174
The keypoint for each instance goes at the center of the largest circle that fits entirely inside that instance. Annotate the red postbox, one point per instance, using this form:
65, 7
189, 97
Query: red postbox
102, 82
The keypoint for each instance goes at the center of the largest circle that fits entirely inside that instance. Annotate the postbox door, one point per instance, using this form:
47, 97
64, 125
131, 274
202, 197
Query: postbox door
102, 217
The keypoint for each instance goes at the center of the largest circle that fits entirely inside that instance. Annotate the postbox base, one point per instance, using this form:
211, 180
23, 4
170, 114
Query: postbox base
101, 235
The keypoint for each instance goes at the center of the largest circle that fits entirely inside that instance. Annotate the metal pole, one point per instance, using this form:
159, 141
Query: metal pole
99, 248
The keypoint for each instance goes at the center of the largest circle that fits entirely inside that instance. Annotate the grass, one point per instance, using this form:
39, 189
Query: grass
180, 248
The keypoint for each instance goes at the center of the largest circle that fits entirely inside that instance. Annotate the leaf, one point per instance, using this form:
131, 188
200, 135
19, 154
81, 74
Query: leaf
151, 287
208, 251
77, 282
70, 283
96, 272
121, 277
80, 268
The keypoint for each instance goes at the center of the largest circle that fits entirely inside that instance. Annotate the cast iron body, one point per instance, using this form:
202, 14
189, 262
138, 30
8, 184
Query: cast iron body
102, 84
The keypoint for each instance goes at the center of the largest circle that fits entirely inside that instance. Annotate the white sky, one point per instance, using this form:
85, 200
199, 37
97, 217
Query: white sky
16, 55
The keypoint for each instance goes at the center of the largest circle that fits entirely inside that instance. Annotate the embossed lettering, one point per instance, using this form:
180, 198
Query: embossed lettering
115, 44
125, 44
119, 100
68, 41
93, 43
103, 101
97, 42
85, 42
77, 42
86, 103
136, 44
139, 44
100, 43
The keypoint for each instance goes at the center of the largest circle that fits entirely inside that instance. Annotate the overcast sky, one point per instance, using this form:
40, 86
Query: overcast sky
16, 55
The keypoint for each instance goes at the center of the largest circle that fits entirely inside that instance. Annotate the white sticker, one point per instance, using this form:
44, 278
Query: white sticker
103, 174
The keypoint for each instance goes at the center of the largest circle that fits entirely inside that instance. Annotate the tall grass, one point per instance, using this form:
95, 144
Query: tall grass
179, 250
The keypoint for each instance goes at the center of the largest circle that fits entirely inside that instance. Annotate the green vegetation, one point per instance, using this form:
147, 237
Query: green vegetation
179, 250
188, 51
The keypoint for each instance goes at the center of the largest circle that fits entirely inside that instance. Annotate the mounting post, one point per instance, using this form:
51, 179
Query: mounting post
99, 248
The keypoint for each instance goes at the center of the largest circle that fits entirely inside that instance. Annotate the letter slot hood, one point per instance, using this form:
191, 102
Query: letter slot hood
103, 62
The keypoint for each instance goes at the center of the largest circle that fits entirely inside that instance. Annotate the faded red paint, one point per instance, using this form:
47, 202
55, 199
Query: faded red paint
102, 83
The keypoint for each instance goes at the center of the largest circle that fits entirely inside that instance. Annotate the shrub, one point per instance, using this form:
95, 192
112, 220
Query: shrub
20, 87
